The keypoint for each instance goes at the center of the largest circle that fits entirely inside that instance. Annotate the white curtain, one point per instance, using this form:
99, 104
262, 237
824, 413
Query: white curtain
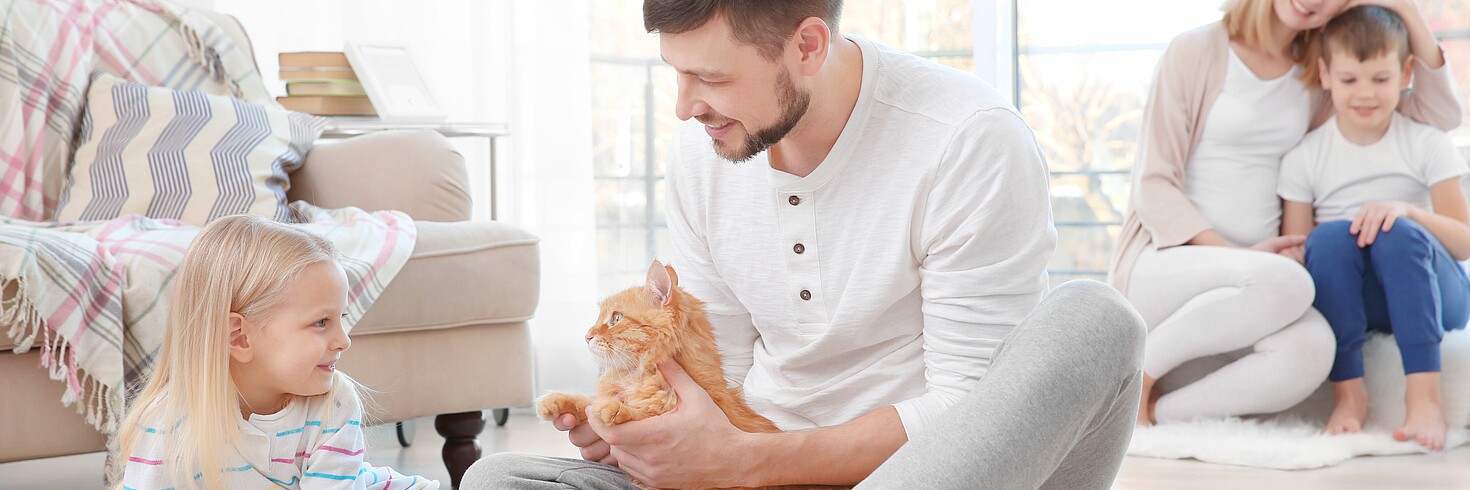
522, 63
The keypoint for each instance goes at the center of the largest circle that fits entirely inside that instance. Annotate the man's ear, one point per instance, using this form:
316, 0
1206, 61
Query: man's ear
240, 339
813, 42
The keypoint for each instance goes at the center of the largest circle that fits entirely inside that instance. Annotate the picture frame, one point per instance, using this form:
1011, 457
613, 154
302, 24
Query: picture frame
394, 83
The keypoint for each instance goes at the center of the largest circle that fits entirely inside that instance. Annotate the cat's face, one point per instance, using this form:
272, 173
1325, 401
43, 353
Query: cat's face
632, 328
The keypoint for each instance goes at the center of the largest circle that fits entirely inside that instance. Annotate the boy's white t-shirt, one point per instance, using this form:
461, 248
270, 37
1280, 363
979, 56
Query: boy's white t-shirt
315, 442
1337, 176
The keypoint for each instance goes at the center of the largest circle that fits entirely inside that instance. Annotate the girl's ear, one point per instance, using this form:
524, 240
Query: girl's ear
239, 339
660, 283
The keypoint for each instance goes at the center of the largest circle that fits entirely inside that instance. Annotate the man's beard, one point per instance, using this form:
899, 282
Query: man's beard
793, 107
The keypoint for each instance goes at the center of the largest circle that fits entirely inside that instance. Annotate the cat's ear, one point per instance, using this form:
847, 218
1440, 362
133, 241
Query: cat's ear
661, 282
673, 276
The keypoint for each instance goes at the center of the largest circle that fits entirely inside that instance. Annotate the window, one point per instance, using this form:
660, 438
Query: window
633, 95
1082, 88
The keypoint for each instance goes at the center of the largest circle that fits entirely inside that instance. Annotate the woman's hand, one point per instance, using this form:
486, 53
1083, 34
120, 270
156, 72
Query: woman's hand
1422, 42
1297, 253
1406, 9
1401, 7
1280, 245
1377, 217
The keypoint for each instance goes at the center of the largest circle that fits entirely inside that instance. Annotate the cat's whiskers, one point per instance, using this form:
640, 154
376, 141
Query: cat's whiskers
609, 356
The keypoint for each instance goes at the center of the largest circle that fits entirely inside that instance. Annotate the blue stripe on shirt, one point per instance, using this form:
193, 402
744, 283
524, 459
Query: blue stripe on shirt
331, 476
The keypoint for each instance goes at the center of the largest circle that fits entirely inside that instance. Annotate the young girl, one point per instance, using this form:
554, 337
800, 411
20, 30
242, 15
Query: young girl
246, 393
1380, 195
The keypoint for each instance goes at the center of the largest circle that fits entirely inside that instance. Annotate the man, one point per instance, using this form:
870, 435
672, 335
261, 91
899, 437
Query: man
867, 228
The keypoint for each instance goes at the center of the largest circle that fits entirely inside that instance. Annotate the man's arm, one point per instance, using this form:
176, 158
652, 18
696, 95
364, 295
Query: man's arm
986, 239
838, 455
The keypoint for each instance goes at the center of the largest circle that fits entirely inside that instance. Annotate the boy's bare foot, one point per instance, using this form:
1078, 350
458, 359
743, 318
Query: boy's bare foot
1424, 418
1146, 402
1351, 407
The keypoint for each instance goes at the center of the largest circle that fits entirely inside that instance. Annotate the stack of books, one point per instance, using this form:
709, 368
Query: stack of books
324, 84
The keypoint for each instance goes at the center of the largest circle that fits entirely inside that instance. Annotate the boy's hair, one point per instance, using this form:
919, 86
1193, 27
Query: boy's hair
237, 264
1366, 32
765, 24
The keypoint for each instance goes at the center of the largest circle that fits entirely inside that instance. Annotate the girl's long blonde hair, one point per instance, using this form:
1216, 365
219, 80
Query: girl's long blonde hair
237, 264
1250, 22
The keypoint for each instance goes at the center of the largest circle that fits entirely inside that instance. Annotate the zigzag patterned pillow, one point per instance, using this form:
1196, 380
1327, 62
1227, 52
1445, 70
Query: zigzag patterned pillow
182, 155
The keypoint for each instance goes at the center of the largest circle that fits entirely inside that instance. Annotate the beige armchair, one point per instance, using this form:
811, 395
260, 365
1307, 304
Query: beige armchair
448, 337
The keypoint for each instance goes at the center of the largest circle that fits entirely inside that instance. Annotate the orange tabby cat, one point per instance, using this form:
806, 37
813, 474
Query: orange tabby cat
638, 329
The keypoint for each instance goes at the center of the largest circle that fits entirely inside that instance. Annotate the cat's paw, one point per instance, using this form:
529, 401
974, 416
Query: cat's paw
554, 404
611, 411
665, 401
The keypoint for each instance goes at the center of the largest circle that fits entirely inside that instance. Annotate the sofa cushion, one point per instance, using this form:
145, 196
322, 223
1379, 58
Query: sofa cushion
415, 171
183, 155
460, 273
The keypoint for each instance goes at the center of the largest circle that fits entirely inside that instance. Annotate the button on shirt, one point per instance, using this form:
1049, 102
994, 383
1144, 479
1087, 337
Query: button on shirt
890, 274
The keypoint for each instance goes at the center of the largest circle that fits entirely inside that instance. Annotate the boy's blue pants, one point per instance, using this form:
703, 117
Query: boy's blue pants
1405, 283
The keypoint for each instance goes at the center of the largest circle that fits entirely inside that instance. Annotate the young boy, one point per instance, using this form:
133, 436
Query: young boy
1383, 194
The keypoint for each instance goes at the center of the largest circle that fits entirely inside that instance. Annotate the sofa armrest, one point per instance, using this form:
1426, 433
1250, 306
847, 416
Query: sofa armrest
416, 172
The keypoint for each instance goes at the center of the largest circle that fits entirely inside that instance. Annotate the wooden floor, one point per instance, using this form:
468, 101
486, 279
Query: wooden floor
524, 433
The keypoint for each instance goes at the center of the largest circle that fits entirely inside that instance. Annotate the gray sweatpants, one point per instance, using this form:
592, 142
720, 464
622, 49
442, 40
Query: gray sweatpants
1055, 410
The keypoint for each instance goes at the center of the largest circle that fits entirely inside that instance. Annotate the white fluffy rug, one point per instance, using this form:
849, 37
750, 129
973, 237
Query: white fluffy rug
1293, 440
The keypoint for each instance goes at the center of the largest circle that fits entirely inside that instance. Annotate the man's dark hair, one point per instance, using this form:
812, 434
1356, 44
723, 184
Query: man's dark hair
1366, 32
765, 24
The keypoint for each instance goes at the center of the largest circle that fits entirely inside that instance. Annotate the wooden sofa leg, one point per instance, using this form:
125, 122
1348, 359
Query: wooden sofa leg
461, 448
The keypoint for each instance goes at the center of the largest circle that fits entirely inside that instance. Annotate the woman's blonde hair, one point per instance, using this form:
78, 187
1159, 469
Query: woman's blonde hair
1250, 22
237, 264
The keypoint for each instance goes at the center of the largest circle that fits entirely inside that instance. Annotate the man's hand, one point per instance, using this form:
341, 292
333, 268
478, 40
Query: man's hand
582, 436
1375, 218
693, 446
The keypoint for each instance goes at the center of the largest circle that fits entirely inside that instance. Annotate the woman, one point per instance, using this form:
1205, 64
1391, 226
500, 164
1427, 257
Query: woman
1200, 255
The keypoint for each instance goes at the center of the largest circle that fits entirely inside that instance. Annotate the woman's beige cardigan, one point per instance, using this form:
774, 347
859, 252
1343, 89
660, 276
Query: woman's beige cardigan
1189, 78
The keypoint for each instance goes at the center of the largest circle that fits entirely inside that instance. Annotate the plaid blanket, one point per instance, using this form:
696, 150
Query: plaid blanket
94, 295
48, 51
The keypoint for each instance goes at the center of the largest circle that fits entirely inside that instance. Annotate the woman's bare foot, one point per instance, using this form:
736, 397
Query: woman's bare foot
1424, 419
1351, 407
1146, 402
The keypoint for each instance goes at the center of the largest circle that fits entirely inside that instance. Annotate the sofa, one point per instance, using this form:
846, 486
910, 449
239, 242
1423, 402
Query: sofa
447, 337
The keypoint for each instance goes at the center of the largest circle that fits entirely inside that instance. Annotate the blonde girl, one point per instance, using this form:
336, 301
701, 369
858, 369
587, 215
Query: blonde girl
245, 393
1201, 254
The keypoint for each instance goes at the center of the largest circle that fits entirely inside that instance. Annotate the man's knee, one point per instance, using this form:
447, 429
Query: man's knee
1103, 319
494, 470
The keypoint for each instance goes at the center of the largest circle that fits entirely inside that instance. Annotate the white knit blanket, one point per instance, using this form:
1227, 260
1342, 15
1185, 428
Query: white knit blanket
1293, 440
